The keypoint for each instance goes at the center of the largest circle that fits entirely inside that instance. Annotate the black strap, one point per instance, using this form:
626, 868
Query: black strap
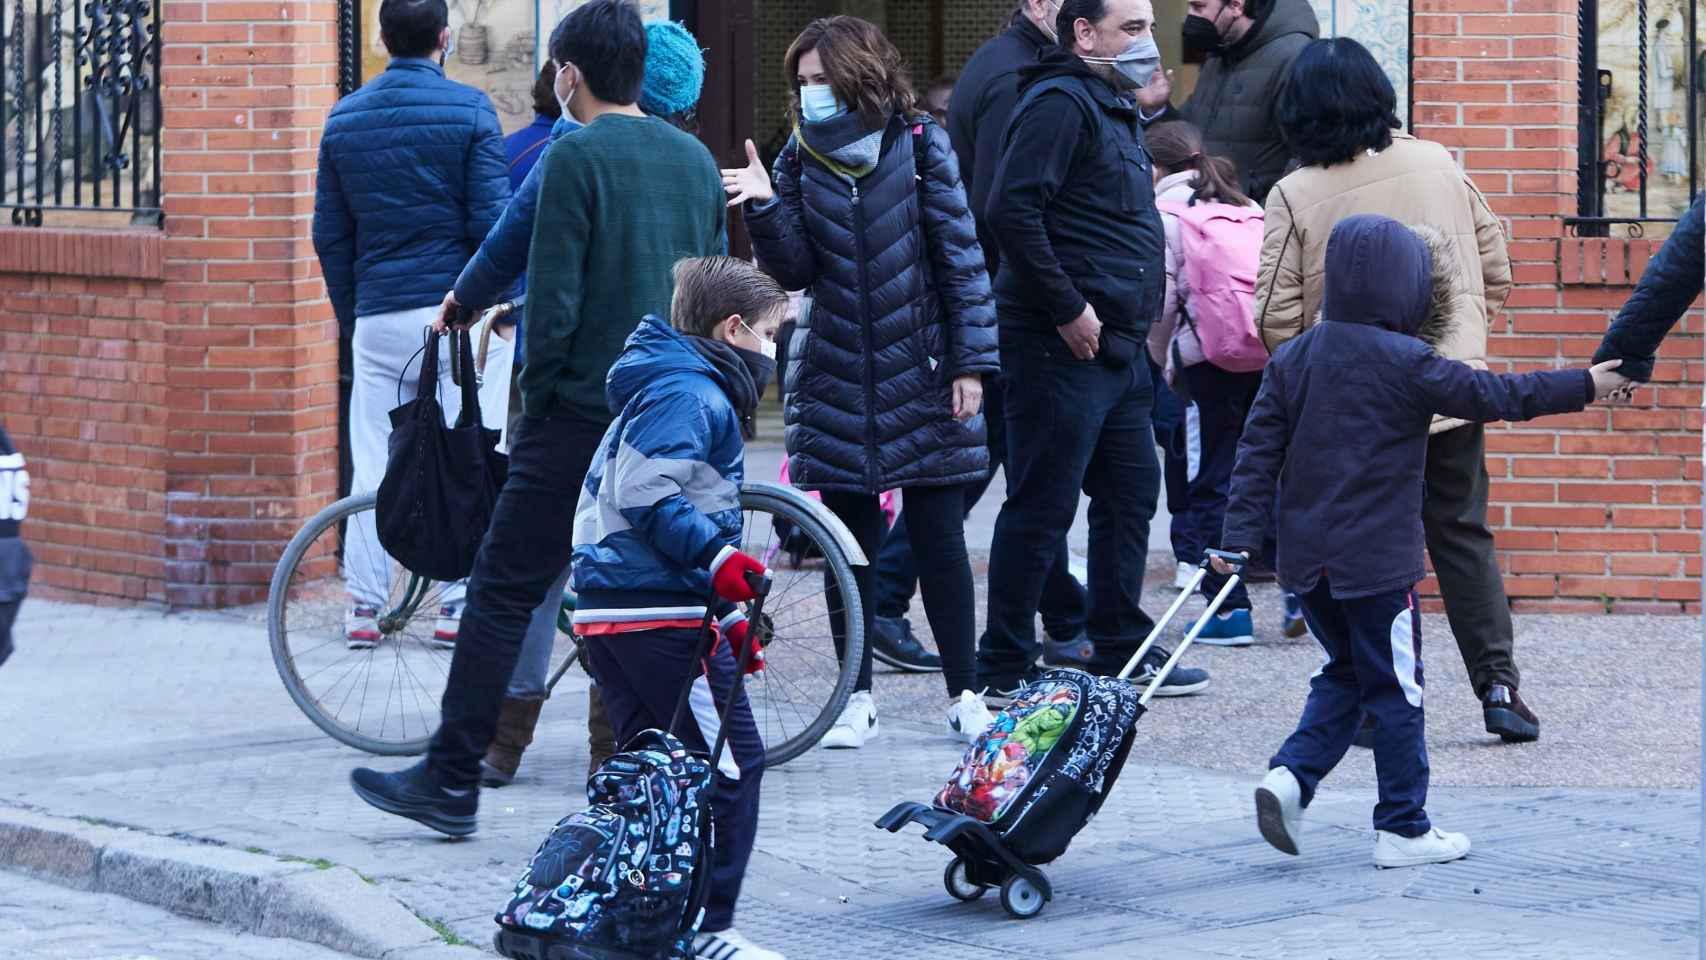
702, 651
470, 414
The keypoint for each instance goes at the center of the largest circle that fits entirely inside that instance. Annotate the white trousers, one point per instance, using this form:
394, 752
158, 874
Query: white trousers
387, 374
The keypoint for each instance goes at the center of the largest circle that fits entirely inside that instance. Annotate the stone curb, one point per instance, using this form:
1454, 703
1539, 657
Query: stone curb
250, 892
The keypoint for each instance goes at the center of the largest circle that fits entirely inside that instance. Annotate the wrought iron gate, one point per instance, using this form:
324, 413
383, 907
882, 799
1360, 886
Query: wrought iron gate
80, 112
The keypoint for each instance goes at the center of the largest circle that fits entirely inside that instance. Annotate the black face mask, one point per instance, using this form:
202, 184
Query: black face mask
1200, 36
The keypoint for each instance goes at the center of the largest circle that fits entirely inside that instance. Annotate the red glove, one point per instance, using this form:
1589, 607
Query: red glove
728, 575
739, 638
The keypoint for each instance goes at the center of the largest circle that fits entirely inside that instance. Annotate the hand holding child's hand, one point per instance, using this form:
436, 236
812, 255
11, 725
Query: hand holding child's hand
1226, 569
1605, 382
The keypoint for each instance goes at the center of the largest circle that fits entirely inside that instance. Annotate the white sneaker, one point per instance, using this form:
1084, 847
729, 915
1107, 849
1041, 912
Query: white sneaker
361, 628
1183, 575
1279, 810
856, 726
1435, 846
968, 717
730, 945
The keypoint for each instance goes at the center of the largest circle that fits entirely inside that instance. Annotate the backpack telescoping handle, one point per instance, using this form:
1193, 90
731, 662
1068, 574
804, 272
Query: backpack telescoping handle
1237, 560
760, 584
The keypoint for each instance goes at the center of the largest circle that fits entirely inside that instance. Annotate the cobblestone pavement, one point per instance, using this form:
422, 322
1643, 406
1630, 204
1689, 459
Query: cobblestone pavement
39, 921
178, 724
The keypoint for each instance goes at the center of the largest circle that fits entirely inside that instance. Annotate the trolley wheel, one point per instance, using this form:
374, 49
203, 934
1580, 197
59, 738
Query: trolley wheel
959, 887
1021, 898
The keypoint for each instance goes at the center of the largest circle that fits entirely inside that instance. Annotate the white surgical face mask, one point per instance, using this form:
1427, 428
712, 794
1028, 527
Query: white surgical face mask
563, 101
765, 347
818, 102
1047, 26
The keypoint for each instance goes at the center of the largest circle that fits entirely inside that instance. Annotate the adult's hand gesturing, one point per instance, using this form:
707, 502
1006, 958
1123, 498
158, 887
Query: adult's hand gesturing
749, 182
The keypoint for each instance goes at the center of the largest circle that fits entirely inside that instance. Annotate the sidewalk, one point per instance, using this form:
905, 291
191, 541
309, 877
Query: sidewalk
177, 724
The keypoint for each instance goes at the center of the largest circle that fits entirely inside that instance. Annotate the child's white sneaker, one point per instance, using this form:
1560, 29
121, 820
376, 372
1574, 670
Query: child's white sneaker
1435, 846
1279, 810
856, 725
968, 717
730, 945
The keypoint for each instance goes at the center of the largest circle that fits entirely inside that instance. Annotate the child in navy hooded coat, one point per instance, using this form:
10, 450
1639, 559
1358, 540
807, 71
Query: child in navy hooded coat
1340, 430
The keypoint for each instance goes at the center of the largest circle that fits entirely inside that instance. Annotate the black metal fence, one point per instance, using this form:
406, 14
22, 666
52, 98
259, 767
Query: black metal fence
1618, 169
80, 108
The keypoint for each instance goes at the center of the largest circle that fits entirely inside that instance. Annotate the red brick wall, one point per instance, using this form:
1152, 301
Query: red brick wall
250, 344
180, 418
85, 388
1599, 510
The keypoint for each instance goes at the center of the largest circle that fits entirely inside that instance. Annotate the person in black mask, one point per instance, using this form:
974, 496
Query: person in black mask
657, 537
1249, 45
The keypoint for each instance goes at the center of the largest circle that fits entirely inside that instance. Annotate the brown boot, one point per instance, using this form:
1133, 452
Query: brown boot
600, 738
516, 721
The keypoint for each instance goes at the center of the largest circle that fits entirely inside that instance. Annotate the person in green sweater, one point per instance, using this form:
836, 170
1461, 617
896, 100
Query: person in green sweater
619, 203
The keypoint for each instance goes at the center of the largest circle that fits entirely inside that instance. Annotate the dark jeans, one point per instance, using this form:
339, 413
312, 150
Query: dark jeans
944, 574
1374, 666
8, 614
1071, 425
526, 548
640, 676
1454, 519
1169, 419
1223, 401
1062, 604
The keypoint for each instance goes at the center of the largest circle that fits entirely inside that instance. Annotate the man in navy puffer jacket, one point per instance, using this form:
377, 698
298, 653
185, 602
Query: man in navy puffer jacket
412, 176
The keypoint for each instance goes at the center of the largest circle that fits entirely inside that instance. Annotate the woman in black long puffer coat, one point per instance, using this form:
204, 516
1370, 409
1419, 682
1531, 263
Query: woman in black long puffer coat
885, 378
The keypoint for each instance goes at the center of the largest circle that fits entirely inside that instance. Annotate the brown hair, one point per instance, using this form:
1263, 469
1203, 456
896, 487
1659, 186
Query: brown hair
1177, 147
864, 69
709, 290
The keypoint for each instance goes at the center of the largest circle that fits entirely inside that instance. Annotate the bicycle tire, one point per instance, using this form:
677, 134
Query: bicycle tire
278, 633
760, 497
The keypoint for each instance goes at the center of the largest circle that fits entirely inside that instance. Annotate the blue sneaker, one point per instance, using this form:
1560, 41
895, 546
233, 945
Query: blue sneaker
1295, 625
1231, 629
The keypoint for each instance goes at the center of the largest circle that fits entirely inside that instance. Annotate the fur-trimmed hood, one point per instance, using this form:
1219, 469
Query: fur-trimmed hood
1447, 277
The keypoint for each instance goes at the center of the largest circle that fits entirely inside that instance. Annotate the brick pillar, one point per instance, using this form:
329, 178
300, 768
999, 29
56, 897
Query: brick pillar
251, 345
1598, 510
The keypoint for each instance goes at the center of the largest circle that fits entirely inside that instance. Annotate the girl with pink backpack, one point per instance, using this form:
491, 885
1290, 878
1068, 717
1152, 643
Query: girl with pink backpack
1205, 339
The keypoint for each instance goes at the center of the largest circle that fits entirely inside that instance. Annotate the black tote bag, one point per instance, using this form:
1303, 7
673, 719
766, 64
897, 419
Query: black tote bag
441, 483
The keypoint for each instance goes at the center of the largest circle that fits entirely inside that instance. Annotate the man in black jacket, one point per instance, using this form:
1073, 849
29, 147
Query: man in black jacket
978, 114
1250, 45
1072, 204
1670, 283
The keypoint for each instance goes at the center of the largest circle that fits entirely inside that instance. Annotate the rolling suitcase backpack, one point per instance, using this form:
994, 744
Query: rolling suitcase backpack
626, 878
1030, 783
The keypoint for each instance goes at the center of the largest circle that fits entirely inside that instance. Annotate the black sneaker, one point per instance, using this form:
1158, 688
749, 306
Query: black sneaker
1183, 681
1508, 716
1075, 651
414, 793
893, 643
999, 690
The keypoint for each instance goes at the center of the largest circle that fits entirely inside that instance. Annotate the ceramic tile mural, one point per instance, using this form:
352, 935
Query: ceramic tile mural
499, 44
1667, 106
1383, 26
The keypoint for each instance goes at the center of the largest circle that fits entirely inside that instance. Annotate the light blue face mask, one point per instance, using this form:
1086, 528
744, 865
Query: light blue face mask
818, 102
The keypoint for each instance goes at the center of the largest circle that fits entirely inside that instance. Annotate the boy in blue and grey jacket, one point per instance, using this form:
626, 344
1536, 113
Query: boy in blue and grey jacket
1340, 428
655, 542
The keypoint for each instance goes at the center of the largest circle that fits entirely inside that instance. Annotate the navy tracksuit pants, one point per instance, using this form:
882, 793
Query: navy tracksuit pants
1374, 665
640, 676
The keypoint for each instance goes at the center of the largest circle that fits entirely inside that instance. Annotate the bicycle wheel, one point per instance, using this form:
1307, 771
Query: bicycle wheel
804, 684
383, 698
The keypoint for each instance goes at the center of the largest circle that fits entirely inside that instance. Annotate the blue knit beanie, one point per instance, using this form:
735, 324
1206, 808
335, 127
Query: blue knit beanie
675, 69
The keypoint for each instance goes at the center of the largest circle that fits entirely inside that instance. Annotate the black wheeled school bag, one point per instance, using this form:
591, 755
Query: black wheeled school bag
626, 878
441, 483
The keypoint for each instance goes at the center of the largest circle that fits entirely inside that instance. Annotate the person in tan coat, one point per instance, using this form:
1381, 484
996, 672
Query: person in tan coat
1338, 112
